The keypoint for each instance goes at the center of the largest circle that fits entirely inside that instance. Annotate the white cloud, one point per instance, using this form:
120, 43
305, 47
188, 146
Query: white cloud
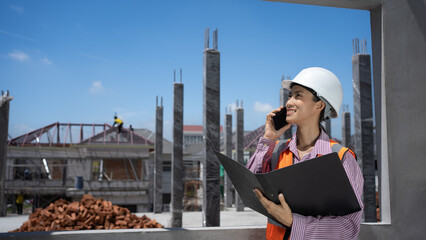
18, 9
262, 107
19, 56
96, 87
46, 61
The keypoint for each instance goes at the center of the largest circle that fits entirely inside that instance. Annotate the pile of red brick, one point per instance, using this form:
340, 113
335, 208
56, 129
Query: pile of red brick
89, 213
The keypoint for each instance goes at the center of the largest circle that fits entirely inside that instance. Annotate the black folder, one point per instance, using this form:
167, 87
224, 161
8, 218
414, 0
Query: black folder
316, 187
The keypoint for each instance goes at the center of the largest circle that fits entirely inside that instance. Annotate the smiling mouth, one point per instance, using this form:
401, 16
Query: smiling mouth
290, 111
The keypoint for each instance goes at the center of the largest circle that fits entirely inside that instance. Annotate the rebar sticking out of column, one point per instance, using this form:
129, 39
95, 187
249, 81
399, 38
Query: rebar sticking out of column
215, 39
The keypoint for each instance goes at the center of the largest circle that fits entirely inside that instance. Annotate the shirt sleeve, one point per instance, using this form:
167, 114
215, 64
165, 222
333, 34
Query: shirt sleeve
263, 152
333, 227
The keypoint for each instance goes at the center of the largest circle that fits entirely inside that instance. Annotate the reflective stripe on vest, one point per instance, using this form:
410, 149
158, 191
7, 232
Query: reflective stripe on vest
281, 159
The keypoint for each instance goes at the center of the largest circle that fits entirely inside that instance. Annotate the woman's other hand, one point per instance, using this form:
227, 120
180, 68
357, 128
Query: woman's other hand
281, 212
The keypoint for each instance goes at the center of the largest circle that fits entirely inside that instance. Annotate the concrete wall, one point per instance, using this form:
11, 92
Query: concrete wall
399, 59
402, 42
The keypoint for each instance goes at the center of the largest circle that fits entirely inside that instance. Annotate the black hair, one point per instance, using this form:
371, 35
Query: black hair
315, 98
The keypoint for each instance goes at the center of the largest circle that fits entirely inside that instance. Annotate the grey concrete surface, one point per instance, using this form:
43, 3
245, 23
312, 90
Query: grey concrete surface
214, 233
355, 4
229, 218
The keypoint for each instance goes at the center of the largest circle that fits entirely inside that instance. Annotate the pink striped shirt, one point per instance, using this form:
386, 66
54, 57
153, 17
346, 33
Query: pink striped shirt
309, 227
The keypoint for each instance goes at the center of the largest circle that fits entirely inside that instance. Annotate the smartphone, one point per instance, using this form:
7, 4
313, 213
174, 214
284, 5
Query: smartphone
279, 119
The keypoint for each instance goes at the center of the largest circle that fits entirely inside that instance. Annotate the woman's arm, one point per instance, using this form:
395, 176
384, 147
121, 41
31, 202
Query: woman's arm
266, 144
263, 152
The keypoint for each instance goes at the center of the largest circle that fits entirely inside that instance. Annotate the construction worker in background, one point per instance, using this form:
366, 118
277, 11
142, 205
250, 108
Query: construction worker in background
119, 122
20, 203
315, 95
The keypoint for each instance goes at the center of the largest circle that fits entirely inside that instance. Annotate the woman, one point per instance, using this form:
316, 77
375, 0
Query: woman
315, 95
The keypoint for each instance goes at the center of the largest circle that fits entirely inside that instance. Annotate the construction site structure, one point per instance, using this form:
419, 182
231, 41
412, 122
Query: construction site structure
58, 161
68, 160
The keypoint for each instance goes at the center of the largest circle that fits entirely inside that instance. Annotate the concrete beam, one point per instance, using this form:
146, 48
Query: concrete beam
56, 186
353, 4
79, 152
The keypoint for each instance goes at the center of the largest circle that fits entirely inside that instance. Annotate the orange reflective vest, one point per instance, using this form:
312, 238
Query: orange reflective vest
281, 159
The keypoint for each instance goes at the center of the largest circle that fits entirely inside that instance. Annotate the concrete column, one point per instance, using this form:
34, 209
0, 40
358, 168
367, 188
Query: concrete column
4, 131
211, 135
158, 159
177, 157
240, 150
346, 129
284, 93
228, 152
364, 141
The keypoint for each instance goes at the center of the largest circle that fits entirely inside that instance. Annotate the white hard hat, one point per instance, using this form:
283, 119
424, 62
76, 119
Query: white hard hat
325, 83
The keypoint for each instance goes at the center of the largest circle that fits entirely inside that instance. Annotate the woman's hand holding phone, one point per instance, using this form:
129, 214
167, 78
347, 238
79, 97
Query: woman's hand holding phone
270, 132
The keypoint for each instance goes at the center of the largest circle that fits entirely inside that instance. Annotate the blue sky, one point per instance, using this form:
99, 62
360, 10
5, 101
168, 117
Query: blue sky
82, 61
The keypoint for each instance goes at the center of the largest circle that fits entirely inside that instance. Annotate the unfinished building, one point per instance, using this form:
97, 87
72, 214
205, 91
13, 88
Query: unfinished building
58, 161
68, 160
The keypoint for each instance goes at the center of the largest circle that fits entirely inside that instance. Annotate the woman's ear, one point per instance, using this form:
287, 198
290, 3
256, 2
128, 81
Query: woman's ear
320, 105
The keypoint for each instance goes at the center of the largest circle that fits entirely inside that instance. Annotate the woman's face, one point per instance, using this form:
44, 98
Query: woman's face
301, 108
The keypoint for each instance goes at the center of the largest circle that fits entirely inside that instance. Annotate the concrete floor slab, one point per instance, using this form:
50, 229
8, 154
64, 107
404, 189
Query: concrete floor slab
228, 218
